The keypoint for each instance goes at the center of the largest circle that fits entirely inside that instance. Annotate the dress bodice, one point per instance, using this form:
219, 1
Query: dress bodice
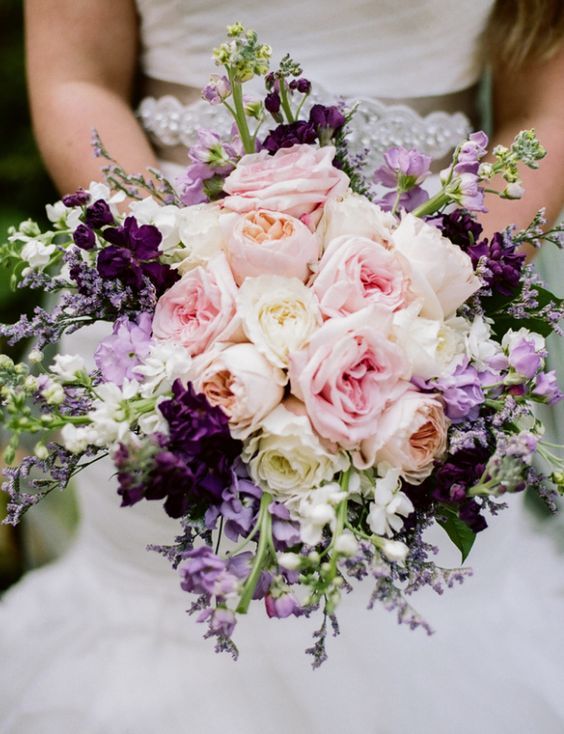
380, 48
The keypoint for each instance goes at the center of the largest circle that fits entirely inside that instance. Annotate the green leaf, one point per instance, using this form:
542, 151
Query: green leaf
458, 531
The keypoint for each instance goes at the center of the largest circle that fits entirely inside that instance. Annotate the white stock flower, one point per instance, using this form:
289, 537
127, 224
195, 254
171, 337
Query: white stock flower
346, 544
316, 509
278, 315
389, 506
98, 190
289, 561
110, 420
202, 232
63, 217
36, 254
164, 218
76, 438
165, 363
480, 346
53, 393
286, 457
68, 365
153, 422
354, 214
395, 551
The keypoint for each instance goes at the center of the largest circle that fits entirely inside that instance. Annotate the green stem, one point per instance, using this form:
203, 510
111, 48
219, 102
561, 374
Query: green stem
341, 519
265, 540
285, 101
240, 116
432, 205
298, 111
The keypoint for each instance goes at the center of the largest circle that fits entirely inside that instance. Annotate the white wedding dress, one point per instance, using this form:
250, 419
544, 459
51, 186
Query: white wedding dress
99, 642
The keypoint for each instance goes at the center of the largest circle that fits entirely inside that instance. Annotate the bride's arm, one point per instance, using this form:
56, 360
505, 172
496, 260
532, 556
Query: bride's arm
81, 61
531, 97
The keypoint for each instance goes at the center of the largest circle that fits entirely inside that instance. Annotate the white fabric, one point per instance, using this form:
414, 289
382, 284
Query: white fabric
99, 642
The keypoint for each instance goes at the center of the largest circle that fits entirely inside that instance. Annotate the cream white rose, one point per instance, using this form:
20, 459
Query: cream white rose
443, 275
286, 457
202, 232
243, 383
278, 315
355, 215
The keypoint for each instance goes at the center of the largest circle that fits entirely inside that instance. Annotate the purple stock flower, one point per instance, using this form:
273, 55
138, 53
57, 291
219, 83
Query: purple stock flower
134, 255
84, 237
408, 200
217, 89
281, 606
547, 388
193, 191
98, 214
525, 359
272, 103
502, 264
284, 136
461, 228
403, 168
221, 622
212, 160
239, 508
285, 532
118, 354
203, 572
473, 149
462, 393
327, 121
79, 198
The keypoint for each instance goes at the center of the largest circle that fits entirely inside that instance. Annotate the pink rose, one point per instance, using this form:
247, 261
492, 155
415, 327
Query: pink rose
348, 373
199, 309
271, 243
355, 272
410, 435
294, 180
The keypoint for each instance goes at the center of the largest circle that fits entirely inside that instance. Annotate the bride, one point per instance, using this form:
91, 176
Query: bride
99, 642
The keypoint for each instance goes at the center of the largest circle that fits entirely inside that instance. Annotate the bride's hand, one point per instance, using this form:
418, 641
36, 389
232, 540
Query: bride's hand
530, 97
81, 61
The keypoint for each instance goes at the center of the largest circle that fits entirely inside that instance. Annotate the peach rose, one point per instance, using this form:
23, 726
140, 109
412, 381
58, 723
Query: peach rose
199, 309
348, 373
410, 435
271, 243
443, 274
294, 180
243, 384
355, 272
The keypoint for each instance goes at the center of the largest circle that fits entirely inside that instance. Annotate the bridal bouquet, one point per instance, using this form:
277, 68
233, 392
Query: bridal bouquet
306, 363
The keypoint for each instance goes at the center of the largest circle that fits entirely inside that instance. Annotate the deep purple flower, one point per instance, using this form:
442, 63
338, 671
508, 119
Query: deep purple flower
118, 354
503, 265
327, 122
281, 606
470, 514
547, 388
134, 255
84, 237
79, 198
460, 227
272, 103
284, 136
462, 393
196, 464
98, 214
302, 85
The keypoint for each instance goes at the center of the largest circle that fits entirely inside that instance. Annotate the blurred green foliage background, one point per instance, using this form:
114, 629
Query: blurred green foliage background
25, 188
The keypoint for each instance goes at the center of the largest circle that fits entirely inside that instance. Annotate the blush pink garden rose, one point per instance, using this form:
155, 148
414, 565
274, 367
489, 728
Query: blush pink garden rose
443, 274
243, 384
271, 243
295, 181
355, 272
348, 373
199, 309
410, 435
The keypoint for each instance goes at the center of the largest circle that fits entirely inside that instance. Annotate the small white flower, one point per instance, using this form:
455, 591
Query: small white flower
289, 561
395, 551
389, 506
202, 230
316, 509
514, 190
165, 363
346, 544
37, 254
63, 217
76, 438
479, 343
68, 366
98, 190
35, 356
53, 393
154, 422
110, 420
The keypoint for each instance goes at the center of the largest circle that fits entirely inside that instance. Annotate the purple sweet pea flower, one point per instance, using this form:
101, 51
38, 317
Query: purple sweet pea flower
462, 393
285, 532
281, 606
99, 214
217, 89
221, 622
408, 200
84, 237
403, 168
547, 388
473, 149
118, 355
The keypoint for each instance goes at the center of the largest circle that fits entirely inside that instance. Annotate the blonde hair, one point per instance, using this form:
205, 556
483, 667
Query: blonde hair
522, 31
